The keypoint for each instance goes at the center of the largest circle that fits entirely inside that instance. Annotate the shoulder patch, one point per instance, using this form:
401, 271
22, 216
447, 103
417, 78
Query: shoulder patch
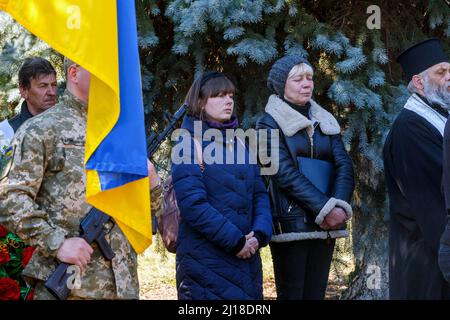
6, 159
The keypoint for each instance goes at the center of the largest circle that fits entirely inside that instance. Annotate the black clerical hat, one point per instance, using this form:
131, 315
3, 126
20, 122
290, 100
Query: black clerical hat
421, 56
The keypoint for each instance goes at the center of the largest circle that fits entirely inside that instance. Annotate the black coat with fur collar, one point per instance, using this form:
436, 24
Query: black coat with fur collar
298, 207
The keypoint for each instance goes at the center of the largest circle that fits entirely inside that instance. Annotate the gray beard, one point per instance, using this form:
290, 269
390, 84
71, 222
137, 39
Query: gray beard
437, 94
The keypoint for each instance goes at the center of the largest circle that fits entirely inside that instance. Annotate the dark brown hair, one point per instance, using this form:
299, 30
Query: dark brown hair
216, 83
32, 68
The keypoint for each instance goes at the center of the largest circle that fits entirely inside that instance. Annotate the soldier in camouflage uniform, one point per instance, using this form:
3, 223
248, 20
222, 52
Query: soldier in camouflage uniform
42, 199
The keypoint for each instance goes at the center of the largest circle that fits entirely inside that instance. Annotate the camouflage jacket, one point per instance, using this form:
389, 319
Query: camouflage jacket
42, 199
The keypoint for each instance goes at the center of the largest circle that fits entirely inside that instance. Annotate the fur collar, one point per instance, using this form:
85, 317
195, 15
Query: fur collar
294, 236
291, 121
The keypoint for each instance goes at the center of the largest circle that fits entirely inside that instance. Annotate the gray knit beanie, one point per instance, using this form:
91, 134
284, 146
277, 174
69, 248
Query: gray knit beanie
280, 71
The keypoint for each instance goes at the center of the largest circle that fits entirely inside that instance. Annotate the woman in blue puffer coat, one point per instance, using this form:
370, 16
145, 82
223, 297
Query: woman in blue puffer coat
224, 206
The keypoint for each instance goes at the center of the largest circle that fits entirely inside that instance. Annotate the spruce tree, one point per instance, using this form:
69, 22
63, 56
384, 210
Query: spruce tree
16, 45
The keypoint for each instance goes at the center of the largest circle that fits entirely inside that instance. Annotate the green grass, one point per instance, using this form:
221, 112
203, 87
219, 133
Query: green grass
156, 268
157, 264
157, 271
267, 264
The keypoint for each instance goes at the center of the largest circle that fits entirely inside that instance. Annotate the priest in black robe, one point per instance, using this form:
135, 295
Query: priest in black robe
413, 161
444, 251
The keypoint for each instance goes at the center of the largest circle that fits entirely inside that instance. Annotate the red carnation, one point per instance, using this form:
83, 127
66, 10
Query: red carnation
9, 289
3, 231
4, 257
26, 255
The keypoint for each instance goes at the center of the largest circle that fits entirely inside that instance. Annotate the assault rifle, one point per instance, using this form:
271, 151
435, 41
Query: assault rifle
91, 230
155, 140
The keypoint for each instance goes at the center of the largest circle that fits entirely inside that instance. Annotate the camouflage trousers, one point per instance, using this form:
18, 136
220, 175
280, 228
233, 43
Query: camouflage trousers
41, 293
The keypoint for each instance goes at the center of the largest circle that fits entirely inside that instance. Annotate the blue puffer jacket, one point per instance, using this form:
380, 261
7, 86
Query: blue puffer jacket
218, 207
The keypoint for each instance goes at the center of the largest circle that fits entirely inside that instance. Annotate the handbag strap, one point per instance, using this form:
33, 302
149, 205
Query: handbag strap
199, 152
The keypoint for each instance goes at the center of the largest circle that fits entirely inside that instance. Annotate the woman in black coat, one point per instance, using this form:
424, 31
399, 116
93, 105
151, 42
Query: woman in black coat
311, 191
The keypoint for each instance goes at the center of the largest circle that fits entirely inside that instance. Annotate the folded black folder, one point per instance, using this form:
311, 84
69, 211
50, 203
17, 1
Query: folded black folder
319, 172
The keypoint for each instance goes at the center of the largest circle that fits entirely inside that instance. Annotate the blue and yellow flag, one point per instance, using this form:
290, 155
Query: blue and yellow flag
101, 36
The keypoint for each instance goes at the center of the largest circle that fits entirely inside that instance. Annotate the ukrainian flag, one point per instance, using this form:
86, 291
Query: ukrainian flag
101, 36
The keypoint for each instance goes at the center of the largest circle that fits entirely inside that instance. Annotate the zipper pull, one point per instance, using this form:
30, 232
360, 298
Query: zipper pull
230, 145
311, 139
290, 207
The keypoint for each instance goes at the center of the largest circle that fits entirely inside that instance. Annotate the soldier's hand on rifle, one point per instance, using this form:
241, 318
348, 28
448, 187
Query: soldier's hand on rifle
75, 251
153, 176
